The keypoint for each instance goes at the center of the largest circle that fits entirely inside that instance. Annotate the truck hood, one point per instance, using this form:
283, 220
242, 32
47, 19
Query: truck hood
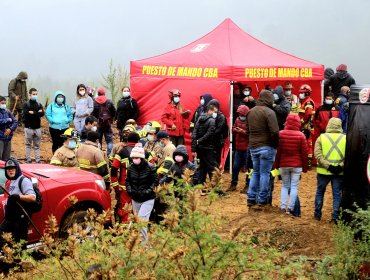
59, 174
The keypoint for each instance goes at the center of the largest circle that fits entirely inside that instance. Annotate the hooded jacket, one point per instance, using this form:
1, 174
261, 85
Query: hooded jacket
59, 116
334, 126
201, 108
100, 101
5, 115
178, 168
241, 133
13, 186
127, 108
337, 81
282, 107
322, 116
220, 123
32, 121
292, 151
262, 125
204, 133
141, 180
18, 88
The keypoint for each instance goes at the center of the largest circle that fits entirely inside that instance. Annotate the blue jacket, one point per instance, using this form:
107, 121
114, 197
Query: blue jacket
59, 116
5, 115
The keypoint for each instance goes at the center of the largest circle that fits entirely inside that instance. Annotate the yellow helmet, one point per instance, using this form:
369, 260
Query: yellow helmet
153, 126
70, 133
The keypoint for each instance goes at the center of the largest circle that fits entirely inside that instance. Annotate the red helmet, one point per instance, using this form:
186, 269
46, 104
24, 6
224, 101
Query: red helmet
174, 92
305, 89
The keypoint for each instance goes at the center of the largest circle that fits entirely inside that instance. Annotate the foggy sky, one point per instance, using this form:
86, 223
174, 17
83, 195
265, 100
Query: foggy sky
75, 39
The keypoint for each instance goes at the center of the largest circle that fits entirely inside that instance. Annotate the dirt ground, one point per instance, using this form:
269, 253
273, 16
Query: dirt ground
295, 236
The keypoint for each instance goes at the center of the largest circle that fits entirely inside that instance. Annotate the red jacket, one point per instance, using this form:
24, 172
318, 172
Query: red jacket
322, 116
306, 110
241, 140
292, 151
172, 116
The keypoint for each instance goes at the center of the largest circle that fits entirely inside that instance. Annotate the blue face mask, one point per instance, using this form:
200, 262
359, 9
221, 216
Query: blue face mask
328, 102
276, 97
242, 118
72, 144
246, 92
176, 99
161, 145
3, 106
34, 97
60, 100
214, 115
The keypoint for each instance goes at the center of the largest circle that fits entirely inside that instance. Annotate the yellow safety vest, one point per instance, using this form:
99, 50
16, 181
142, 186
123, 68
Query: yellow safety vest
333, 148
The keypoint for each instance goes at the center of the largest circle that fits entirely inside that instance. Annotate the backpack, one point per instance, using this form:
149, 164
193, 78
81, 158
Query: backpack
105, 117
37, 205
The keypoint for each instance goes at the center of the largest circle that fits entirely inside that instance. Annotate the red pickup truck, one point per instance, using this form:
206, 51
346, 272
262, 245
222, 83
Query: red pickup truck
57, 184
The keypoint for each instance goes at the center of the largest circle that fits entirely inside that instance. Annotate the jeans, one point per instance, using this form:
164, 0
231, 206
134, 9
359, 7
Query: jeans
240, 160
32, 135
143, 210
79, 123
108, 138
290, 177
263, 159
336, 187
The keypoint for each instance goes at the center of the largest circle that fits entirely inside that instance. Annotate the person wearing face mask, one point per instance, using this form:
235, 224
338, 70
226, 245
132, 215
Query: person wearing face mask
338, 80
342, 102
152, 146
127, 108
82, 107
241, 153
204, 99
66, 155
281, 106
17, 92
202, 145
173, 117
32, 114
248, 99
8, 124
91, 157
91, 124
165, 159
306, 112
123, 141
118, 173
292, 98
322, 116
59, 115
141, 181
180, 164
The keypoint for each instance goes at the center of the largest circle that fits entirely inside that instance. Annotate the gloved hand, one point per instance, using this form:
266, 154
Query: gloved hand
335, 169
15, 197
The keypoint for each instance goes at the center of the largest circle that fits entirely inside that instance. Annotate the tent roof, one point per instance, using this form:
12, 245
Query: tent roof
235, 54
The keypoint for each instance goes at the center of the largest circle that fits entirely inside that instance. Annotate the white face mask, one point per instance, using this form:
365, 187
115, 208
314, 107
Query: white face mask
151, 138
94, 128
246, 92
302, 96
214, 115
176, 99
126, 94
82, 92
202, 102
288, 92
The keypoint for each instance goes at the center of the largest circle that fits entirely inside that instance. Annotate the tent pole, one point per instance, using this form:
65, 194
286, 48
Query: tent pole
231, 127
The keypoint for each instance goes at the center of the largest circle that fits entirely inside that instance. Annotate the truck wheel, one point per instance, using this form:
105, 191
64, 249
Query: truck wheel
77, 216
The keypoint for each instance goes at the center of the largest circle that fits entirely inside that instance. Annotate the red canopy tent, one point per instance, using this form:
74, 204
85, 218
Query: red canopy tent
210, 64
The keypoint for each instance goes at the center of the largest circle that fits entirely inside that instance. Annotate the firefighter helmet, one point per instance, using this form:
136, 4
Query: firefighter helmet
305, 89
70, 133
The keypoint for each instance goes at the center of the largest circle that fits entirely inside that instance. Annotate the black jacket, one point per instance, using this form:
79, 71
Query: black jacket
127, 108
111, 109
141, 181
337, 81
32, 121
178, 168
282, 107
221, 131
203, 134
201, 108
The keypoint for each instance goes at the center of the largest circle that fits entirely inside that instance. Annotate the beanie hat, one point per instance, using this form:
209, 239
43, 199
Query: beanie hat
342, 67
138, 151
162, 134
101, 91
133, 137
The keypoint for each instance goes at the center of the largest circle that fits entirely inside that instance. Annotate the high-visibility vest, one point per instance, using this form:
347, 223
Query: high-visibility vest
333, 148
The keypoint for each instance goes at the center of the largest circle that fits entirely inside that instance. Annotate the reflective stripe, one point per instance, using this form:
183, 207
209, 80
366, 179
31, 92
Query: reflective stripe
333, 149
122, 187
117, 157
100, 164
114, 184
106, 176
334, 146
56, 162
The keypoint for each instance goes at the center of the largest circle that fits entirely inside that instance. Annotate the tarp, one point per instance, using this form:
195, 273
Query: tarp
208, 64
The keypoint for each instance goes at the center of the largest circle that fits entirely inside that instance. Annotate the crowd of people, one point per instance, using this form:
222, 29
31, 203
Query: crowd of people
278, 130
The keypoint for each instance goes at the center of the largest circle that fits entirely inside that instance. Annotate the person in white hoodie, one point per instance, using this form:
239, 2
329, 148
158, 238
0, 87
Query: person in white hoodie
82, 107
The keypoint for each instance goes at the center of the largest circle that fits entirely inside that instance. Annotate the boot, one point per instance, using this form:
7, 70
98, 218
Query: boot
244, 190
232, 188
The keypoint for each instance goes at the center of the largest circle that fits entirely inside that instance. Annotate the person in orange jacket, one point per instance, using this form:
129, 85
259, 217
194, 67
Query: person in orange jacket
173, 117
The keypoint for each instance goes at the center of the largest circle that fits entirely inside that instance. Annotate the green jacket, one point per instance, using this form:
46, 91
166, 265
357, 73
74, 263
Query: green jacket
18, 88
